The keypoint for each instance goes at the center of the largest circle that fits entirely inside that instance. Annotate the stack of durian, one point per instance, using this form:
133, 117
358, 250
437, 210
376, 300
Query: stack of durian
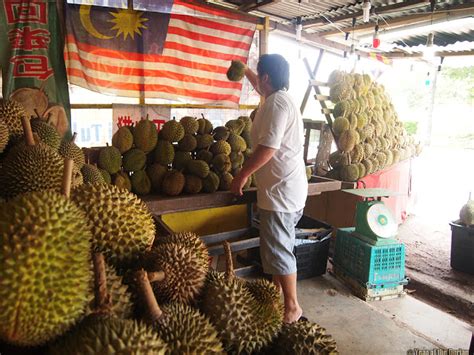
82, 272
369, 135
188, 156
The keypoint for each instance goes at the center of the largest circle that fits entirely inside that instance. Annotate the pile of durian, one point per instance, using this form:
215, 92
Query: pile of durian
186, 156
82, 271
368, 133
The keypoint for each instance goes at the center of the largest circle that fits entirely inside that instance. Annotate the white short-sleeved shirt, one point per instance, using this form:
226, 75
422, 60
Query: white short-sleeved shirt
282, 183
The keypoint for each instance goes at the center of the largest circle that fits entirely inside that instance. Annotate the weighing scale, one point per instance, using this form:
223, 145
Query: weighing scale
375, 223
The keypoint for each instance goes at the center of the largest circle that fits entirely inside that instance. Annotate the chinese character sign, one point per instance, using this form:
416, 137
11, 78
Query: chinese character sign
128, 115
31, 46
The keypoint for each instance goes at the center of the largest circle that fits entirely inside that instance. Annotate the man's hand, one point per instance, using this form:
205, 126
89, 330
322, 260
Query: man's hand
238, 183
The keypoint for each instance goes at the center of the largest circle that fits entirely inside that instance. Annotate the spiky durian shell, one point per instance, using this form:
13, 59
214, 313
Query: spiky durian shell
110, 336
205, 126
145, 135
190, 125
121, 225
221, 147
204, 141
188, 143
141, 184
123, 139
91, 174
164, 152
172, 131
121, 305
156, 173
11, 113
173, 183
4, 135
186, 331
134, 160
122, 181
46, 133
44, 267
181, 159
70, 150
193, 184
302, 338
211, 182
31, 168
184, 272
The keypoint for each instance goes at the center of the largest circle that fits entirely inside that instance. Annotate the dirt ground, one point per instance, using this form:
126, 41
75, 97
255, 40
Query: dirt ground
438, 197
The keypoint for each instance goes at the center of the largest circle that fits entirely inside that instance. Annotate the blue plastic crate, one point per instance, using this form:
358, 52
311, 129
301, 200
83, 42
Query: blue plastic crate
373, 266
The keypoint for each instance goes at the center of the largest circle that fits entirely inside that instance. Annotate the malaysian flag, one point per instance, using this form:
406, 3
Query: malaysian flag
180, 53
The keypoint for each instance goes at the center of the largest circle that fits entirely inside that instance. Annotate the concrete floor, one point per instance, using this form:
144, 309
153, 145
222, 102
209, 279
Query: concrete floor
379, 327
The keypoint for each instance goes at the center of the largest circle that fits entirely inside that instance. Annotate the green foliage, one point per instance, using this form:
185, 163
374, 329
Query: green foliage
411, 127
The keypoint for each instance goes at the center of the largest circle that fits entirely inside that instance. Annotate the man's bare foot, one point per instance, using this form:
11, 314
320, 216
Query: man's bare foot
292, 315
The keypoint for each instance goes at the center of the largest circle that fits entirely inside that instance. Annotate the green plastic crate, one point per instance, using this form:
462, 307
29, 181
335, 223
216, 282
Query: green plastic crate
373, 266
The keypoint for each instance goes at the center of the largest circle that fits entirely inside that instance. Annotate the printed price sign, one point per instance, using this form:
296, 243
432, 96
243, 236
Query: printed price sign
128, 115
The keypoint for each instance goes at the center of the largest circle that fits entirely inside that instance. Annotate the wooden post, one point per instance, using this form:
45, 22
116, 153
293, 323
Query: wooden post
310, 85
263, 43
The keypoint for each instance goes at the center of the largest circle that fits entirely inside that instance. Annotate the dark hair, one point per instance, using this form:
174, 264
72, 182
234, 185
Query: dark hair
277, 68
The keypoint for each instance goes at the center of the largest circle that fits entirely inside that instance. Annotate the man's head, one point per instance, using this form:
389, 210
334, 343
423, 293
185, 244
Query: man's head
273, 73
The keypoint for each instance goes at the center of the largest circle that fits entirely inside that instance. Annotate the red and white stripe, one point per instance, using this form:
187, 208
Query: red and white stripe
192, 68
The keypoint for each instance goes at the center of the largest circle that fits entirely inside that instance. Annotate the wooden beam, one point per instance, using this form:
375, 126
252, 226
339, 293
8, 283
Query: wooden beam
377, 10
251, 5
452, 12
401, 55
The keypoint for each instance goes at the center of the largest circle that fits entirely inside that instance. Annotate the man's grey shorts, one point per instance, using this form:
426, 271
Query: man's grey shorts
277, 240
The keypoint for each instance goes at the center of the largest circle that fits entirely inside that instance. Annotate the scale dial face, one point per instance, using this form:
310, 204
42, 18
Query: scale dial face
381, 221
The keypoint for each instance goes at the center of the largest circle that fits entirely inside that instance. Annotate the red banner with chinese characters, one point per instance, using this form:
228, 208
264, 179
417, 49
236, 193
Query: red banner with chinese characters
31, 49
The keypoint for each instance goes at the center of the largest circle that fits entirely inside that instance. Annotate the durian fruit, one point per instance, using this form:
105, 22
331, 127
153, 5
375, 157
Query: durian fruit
185, 273
192, 184
369, 168
302, 338
164, 152
11, 113
247, 138
221, 147
173, 183
357, 154
123, 139
340, 92
237, 159
190, 125
338, 159
235, 126
353, 119
110, 335
246, 316
237, 143
204, 141
188, 143
221, 163
134, 160
120, 304
121, 225
362, 120
69, 149
156, 173
347, 140
145, 135
368, 149
381, 159
106, 176
91, 175
141, 184
211, 182
340, 125
221, 133
466, 215
110, 159
181, 159
205, 155
31, 168
4, 135
186, 331
362, 170
198, 167
225, 181
335, 77
309, 172
236, 70
247, 122
350, 172
47, 133
205, 126
388, 157
342, 109
122, 181
172, 131
396, 156
44, 267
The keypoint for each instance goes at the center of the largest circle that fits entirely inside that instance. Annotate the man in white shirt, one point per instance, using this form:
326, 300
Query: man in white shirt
277, 161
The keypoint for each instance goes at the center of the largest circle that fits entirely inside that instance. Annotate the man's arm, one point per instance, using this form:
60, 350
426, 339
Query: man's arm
252, 77
259, 158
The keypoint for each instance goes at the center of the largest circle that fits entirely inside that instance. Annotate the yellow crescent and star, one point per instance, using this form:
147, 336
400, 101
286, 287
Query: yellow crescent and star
127, 22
